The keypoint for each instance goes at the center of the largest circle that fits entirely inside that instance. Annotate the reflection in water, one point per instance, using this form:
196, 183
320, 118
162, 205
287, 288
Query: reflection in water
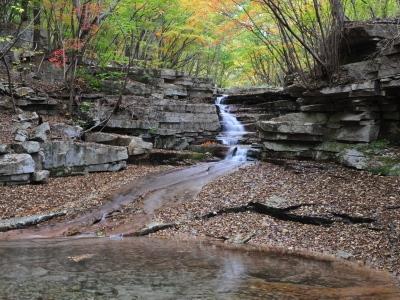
231, 274
159, 269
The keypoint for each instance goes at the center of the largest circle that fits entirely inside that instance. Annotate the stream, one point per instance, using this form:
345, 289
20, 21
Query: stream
142, 268
36, 264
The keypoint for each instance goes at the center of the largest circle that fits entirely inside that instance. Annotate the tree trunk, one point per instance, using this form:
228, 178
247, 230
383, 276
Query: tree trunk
337, 11
36, 24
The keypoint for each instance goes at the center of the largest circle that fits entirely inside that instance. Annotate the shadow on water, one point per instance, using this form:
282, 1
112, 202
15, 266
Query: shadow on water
144, 268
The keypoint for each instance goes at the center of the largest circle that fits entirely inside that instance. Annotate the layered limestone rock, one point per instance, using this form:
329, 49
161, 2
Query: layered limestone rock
68, 157
258, 104
16, 168
363, 108
160, 83
33, 161
135, 145
169, 124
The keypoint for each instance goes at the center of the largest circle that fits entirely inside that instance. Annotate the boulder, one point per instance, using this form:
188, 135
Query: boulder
41, 132
21, 135
354, 159
73, 156
138, 146
29, 147
16, 164
66, 131
28, 116
4, 149
40, 176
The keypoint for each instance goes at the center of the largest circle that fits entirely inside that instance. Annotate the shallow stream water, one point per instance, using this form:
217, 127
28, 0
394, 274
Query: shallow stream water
144, 268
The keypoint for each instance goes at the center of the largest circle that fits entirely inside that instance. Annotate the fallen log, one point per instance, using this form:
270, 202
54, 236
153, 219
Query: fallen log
23, 222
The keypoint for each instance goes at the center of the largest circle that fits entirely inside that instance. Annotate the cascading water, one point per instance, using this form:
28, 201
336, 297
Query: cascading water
232, 132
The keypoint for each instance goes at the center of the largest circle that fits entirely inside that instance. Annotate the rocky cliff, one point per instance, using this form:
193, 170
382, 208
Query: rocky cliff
353, 120
161, 109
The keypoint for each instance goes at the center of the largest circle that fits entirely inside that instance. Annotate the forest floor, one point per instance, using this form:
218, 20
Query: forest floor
367, 231
75, 195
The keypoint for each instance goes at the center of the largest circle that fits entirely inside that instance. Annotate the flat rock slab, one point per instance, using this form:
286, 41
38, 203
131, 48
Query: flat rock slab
19, 223
62, 154
16, 164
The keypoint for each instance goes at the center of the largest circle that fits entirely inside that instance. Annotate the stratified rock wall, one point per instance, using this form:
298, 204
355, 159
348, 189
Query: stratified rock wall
363, 107
261, 104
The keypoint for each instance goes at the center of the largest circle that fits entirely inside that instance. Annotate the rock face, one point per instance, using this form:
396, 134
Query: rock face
330, 121
160, 83
169, 124
67, 157
260, 104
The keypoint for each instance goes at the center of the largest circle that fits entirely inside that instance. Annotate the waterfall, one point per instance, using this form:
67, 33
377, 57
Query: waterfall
232, 132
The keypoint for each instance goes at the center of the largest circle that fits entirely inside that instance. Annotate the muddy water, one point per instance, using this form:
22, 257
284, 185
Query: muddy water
158, 269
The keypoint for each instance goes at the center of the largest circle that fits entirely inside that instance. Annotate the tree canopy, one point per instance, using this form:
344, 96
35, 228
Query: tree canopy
235, 42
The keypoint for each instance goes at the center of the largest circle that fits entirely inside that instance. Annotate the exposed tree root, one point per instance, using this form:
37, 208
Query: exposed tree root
284, 215
354, 219
393, 207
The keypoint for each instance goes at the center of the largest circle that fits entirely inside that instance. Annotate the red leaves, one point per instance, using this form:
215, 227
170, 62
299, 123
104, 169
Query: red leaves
58, 57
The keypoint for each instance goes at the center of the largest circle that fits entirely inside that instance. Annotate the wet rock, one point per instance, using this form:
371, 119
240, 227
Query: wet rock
41, 132
217, 150
40, 176
29, 147
16, 164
